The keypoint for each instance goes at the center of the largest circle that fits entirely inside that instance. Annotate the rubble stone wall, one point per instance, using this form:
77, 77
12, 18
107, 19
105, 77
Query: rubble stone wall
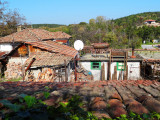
14, 68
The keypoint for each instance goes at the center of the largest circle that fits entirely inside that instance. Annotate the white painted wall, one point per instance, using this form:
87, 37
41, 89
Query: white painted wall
133, 70
96, 73
6, 47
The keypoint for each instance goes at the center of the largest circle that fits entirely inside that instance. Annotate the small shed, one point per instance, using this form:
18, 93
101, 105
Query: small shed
112, 65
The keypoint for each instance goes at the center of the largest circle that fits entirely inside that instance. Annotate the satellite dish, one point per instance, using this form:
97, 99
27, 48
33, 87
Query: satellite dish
78, 45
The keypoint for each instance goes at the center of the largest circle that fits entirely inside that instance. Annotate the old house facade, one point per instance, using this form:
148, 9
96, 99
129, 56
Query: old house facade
39, 45
113, 65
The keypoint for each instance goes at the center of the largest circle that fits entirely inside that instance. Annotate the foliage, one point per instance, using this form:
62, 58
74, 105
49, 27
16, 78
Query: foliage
46, 94
46, 25
9, 20
124, 32
71, 110
11, 106
3, 79
30, 101
137, 19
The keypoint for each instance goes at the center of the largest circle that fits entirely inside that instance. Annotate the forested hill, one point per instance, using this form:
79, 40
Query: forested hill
46, 25
137, 19
119, 33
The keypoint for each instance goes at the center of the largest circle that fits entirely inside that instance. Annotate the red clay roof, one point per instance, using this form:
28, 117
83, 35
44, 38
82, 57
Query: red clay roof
54, 47
60, 35
151, 60
47, 59
150, 20
31, 34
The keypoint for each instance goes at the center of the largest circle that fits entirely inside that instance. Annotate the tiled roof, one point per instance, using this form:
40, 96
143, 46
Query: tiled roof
151, 60
47, 59
54, 47
60, 34
150, 20
31, 34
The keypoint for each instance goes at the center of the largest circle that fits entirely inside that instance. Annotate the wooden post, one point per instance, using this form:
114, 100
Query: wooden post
110, 65
75, 71
30, 64
66, 73
127, 72
103, 73
144, 71
126, 65
115, 72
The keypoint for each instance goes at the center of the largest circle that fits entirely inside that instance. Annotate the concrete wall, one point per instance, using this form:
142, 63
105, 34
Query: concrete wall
96, 73
133, 70
6, 47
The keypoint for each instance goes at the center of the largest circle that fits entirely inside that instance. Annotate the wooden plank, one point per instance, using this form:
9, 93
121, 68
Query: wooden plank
66, 73
110, 65
103, 72
115, 72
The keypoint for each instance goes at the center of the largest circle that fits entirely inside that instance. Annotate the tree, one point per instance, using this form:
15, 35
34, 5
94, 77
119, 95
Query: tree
9, 20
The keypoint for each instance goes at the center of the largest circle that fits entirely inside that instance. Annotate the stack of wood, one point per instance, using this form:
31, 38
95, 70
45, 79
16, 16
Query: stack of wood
14, 70
47, 74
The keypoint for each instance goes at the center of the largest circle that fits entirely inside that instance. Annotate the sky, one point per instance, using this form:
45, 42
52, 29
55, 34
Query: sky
75, 11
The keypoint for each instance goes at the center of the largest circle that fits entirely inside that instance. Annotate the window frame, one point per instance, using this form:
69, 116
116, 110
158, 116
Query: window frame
99, 68
120, 65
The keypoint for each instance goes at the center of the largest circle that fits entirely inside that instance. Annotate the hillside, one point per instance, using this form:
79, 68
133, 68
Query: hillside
123, 31
137, 19
46, 25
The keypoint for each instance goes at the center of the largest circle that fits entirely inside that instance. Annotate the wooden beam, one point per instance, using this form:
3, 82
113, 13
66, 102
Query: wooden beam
75, 71
30, 64
115, 72
66, 73
110, 65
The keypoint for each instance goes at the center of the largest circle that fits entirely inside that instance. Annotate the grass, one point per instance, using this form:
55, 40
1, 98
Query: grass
11, 80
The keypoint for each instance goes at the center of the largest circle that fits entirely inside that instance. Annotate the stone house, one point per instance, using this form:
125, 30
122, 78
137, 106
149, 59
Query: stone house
40, 45
34, 58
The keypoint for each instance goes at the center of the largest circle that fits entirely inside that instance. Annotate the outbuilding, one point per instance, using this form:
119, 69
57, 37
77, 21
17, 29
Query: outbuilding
112, 65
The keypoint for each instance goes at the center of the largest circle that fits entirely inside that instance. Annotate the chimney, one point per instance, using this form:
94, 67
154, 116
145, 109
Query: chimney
19, 28
133, 53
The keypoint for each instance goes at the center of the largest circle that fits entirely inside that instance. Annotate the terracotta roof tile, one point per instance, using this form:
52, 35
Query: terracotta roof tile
47, 59
60, 34
151, 60
54, 47
31, 34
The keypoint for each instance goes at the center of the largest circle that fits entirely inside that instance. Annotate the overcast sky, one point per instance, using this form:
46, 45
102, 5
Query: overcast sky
75, 11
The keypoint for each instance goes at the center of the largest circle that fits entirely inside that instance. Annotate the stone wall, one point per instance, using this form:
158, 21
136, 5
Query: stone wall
14, 68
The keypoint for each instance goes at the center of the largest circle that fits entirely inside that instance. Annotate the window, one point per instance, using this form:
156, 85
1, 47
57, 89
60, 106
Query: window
95, 65
120, 66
